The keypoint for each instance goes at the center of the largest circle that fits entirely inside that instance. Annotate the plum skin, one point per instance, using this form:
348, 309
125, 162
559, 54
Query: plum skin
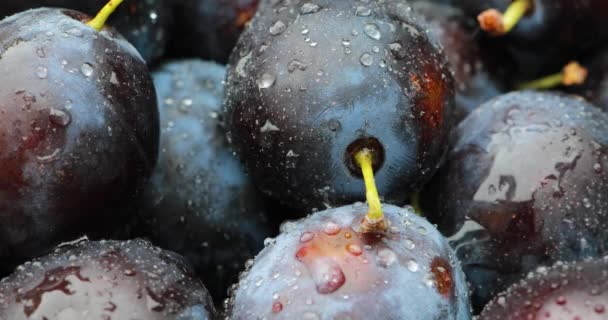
563, 291
199, 201
504, 218
105, 280
322, 267
78, 132
296, 100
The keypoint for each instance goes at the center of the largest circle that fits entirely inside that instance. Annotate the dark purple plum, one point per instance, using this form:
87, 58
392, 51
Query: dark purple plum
105, 280
310, 84
524, 186
551, 33
477, 67
78, 130
199, 201
144, 23
214, 39
577, 291
324, 267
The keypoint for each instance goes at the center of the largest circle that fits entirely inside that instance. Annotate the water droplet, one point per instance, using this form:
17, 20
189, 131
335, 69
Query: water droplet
409, 244
308, 8
363, 11
258, 281
295, 64
277, 307
561, 300
53, 156
331, 228
73, 31
269, 126
422, 230
386, 257
334, 125
586, 203
86, 69
366, 60
412, 265
266, 81
68, 104
597, 167
40, 52
327, 274
129, 272
354, 249
277, 28
599, 308
397, 50
59, 117
306, 236
372, 31
42, 72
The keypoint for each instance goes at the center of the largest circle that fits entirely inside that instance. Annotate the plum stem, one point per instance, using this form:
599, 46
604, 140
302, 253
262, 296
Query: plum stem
100, 19
498, 24
415, 203
374, 218
572, 74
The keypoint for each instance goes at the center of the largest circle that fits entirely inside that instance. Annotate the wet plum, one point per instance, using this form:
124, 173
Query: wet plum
145, 23
478, 68
215, 39
524, 185
78, 130
310, 84
564, 291
549, 33
199, 201
324, 267
105, 280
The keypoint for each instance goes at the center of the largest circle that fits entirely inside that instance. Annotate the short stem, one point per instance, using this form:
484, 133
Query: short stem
374, 217
572, 74
516, 10
415, 202
498, 24
100, 19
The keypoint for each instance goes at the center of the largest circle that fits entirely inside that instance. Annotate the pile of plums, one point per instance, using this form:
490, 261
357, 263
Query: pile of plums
303, 159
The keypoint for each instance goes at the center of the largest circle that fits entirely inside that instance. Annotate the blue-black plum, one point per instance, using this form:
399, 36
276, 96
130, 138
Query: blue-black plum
577, 291
551, 33
78, 130
105, 280
310, 84
199, 201
144, 23
524, 185
214, 39
324, 267
479, 69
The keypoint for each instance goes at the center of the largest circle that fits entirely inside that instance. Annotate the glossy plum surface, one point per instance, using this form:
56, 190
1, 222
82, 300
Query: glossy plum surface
215, 39
323, 267
552, 33
108, 280
309, 84
144, 23
478, 68
524, 185
78, 130
576, 291
199, 201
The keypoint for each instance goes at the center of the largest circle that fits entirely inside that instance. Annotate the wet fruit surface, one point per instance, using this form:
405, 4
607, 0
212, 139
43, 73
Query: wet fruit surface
215, 39
476, 66
323, 267
524, 185
307, 81
199, 201
551, 33
78, 130
565, 291
144, 23
105, 280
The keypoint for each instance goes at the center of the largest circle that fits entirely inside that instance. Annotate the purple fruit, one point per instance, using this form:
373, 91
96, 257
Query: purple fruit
324, 267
